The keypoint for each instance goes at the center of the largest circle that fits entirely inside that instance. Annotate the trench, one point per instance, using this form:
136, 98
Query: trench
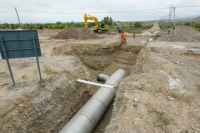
49, 106
106, 59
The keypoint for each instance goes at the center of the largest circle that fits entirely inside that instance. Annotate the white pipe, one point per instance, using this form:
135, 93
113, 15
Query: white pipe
96, 84
86, 119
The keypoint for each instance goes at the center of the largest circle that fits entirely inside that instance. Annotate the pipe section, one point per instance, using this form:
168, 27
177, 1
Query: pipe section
86, 119
102, 77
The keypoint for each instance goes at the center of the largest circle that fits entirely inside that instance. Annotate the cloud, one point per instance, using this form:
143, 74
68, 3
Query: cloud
42, 5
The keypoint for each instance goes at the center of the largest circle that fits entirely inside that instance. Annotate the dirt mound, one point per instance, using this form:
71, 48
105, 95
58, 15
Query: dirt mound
156, 27
162, 92
183, 34
48, 32
76, 33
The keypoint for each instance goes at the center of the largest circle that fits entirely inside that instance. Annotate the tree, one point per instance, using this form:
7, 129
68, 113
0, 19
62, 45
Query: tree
108, 21
131, 25
137, 24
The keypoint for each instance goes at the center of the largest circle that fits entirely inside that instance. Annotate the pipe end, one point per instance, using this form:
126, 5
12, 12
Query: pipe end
98, 76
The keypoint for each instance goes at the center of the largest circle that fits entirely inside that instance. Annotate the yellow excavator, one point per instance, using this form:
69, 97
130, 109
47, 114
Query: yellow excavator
100, 27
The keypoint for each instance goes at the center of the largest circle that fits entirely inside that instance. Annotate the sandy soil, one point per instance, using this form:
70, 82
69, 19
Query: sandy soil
162, 92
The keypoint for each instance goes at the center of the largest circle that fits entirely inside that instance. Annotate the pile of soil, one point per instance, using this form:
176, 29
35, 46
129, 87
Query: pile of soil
156, 27
183, 34
47, 32
76, 33
162, 92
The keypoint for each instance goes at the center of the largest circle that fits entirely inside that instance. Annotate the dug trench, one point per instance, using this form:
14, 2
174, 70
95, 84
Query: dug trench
105, 57
33, 107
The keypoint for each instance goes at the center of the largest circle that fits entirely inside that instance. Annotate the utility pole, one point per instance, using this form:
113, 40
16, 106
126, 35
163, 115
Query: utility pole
174, 20
18, 18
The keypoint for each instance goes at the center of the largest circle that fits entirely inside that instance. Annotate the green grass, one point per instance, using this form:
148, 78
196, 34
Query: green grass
51, 78
48, 70
164, 26
129, 28
165, 119
57, 25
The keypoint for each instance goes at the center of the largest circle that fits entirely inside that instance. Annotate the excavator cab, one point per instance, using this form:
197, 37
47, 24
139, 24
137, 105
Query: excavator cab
101, 25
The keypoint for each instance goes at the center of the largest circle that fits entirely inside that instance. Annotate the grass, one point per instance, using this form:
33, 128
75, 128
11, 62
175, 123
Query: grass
166, 26
51, 78
66, 71
48, 70
129, 29
165, 119
57, 25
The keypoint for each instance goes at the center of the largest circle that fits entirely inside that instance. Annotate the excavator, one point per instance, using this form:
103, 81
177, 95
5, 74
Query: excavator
99, 27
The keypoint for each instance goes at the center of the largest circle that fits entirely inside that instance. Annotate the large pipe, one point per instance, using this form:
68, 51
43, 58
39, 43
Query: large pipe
86, 119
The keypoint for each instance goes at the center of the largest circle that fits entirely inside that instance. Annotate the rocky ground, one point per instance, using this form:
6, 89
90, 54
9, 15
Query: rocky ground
162, 92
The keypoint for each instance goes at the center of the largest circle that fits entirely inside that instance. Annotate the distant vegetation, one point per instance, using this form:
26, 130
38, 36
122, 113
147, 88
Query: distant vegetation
164, 26
108, 21
57, 25
137, 27
137, 24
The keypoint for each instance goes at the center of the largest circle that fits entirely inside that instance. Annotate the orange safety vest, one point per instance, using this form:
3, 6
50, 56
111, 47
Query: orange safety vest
122, 36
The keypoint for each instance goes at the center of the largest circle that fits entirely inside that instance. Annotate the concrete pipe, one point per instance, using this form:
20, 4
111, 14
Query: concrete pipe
86, 119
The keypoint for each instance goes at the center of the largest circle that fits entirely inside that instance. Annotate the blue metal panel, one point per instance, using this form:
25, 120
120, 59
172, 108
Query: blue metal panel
19, 43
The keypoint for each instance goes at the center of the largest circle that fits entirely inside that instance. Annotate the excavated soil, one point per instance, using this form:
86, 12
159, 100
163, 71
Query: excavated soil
76, 33
30, 106
162, 92
47, 32
183, 34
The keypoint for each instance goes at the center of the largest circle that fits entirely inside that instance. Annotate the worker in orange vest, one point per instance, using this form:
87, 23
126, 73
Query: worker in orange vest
122, 36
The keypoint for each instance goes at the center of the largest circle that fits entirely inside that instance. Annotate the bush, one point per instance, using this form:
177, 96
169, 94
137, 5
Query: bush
187, 23
137, 24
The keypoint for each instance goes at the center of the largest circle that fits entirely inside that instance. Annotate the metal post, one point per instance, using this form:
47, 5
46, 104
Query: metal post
5, 54
37, 58
18, 19
174, 20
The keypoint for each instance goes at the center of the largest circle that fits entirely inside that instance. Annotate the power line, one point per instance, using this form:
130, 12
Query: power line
108, 11
6, 11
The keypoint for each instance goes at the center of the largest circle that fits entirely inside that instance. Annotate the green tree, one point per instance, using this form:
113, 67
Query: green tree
108, 21
137, 24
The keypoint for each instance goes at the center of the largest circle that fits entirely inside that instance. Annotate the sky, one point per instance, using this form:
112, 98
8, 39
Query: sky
91, 7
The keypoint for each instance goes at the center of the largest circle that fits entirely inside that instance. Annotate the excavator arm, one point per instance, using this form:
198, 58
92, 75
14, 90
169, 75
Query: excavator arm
86, 18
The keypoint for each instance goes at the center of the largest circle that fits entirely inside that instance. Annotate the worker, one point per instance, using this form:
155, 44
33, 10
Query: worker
119, 31
122, 36
168, 32
133, 34
125, 38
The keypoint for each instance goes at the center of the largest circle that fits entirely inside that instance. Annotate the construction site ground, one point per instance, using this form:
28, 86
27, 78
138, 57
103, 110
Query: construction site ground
160, 92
